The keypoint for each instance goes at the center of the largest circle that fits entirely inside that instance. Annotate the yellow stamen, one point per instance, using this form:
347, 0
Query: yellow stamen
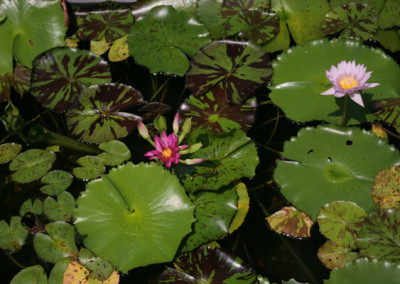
348, 82
167, 153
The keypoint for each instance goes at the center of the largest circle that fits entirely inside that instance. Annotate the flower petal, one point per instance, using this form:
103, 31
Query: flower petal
330, 91
356, 97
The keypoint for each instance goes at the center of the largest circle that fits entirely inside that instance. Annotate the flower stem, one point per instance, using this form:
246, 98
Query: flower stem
346, 103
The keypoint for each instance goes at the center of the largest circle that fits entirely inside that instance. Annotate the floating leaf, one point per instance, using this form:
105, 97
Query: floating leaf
388, 111
92, 167
212, 112
21, 80
389, 14
35, 208
25, 31
209, 265
243, 204
353, 20
386, 188
101, 268
335, 256
233, 7
115, 153
57, 181
214, 212
58, 244
340, 221
209, 14
57, 273
9, 151
97, 117
389, 39
119, 50
153, 109
77, 273
330, 163
59, 75
238, 68
298, 93
379, 236
231, 156
134, 216
60, 210
32, 275
379, 131
292, 222
367, 272
12, 237
31, 165
163, 39
99, 47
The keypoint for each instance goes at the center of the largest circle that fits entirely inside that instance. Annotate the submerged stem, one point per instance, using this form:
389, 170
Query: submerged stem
346, 103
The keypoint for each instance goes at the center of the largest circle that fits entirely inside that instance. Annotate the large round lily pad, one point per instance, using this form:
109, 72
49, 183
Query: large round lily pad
330, 163
298, 93
134, 216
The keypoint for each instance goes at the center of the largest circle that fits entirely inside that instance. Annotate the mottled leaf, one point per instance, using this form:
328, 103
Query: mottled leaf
209, 14
5, 87
212, 112
56, 182
291, 222
60, 210
390, 14
163, 39
233, 7
92, 167
21, 80
354, 20
12, 237
96, 118
59, 75
386, 188
335, 256
77, 273
9, 151
99, 47
153, 109
119, 50
32, 275
389, 39
115, 153
341, 221
31, 165
238, 68
243, 205
35, 208
389, 111
101, 268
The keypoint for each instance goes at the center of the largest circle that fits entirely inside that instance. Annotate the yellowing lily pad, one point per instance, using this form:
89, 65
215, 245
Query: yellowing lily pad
243, 204
9, 151
77, 273
386, 188
335, 256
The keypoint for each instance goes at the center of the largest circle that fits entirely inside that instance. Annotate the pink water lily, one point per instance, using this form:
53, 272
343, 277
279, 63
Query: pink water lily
349, 78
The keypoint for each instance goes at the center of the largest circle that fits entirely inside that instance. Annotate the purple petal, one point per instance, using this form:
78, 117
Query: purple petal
356, 97
330, 91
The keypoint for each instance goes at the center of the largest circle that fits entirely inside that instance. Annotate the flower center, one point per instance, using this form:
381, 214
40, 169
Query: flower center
348, 82
167, 153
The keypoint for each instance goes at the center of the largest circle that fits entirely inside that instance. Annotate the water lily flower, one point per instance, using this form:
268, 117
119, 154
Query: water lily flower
349, 78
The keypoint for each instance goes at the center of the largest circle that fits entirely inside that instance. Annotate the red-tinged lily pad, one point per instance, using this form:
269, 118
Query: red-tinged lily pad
214, 213
254, 25
12, 237
354, 20
96, 118
335, 256
163, 38
230, 156
59, 242
331, 163
134, 216
341, 221
33, 275
380, 235
210, 265
292, 222
9, 151
59, 75
213, 113
60, 210
386, 188
238, 68
233, 7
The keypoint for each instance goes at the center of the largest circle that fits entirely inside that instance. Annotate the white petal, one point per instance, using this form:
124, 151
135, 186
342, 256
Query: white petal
339, 94
356, 97
330, 91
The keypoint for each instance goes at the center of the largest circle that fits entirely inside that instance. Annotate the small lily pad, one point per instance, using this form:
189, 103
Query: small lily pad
60, 210
57, 272
92, 167
35, 208
58, 244
77, 273
335, 256
31, 165
57, 181
12, 237
115, 153
291, 222
119, 50
99, 47
101, 268
243, 205
32, 275
341, 221
9, 151
386, 188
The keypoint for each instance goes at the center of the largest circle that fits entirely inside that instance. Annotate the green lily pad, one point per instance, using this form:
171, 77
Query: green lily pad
214, 212
379, 236
57, 273
115, 153
58, 244
163, 39
208, 265
335, 256
32, 275
25, 31
367, 272
212, 112
12, 237
92, 167
298, 93
331, 163
292, 222
340, 221
209, 14
389, 15
354, 20
134, 216
9, 151
238, 68
96, 118
35, 208
60, 210
388, 110
101, 268
60, 74
231, 156
233, 7
31, 165
389, 39
57, 181
386, 188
